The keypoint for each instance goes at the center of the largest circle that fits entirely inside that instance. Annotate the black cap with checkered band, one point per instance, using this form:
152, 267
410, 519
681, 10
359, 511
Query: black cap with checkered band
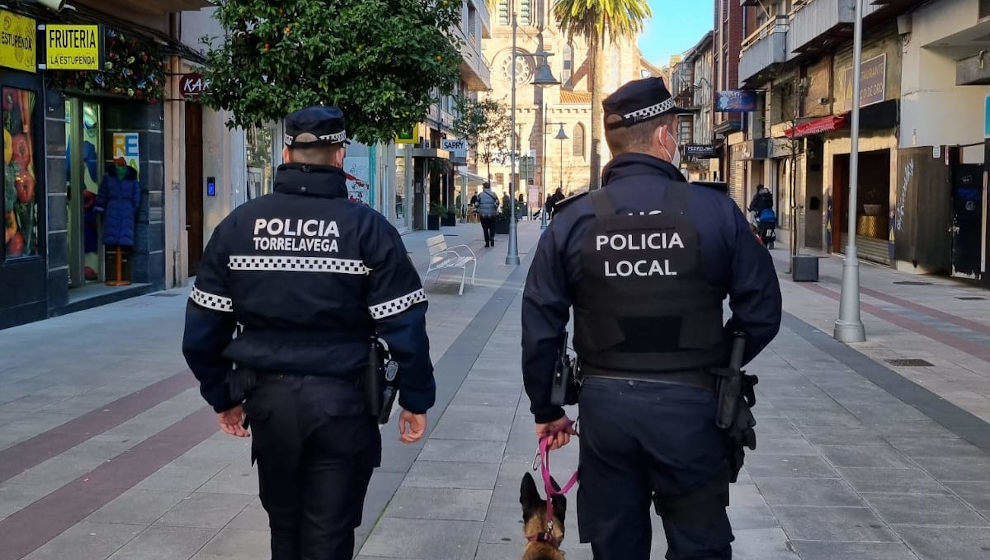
315, 126
638, 101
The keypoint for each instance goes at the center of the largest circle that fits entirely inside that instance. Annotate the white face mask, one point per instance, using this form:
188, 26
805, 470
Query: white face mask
673, 156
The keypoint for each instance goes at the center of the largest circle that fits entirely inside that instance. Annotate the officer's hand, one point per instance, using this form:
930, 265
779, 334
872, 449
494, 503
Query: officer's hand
562, 436
232, 422
411, 426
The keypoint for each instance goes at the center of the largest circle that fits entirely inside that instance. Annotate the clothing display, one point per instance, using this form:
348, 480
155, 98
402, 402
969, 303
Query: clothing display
119, 200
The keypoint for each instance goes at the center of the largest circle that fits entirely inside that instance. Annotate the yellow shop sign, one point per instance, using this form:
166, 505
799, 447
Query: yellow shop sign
72, 47
17, 44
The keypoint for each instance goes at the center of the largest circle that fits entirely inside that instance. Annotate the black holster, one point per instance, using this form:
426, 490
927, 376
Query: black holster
736, 398
565, 389
379, 382
240, 383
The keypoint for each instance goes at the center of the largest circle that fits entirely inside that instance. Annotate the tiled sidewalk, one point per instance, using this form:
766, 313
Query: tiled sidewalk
844, 469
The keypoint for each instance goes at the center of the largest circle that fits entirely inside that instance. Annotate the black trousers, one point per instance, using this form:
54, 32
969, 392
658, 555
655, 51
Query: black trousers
316, 450
488, 228
640, 440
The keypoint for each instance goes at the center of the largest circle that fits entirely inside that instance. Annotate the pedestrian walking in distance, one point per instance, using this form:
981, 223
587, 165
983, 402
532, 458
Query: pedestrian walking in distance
487, 206
645, 262
552, 201
306, 278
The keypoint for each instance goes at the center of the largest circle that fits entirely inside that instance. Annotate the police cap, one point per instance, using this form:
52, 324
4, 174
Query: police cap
639, 101
315, 126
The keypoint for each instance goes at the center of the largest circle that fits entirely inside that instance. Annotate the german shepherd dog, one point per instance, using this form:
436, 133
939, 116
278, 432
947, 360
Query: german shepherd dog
543, 544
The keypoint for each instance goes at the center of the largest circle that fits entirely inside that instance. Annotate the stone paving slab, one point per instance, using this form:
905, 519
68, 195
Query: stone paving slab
844, 469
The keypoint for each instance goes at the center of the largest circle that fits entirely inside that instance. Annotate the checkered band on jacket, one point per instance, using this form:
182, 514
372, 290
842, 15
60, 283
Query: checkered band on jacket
211, 301
397, 305
300, 264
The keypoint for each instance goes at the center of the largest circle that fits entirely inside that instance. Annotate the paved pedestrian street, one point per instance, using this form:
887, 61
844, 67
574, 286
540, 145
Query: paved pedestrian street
107, 450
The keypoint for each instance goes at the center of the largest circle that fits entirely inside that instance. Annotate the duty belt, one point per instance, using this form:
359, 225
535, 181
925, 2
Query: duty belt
699, 378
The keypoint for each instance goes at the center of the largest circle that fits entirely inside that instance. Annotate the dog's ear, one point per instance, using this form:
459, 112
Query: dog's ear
529, 496
559, 502
559, 507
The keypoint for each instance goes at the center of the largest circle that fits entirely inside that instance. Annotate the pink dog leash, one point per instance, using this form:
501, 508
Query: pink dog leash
544, 457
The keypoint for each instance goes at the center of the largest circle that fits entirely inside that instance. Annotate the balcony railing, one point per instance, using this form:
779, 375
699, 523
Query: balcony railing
764, 49
816, 20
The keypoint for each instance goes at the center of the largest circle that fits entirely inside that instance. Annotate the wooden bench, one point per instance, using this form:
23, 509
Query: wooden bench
443, 258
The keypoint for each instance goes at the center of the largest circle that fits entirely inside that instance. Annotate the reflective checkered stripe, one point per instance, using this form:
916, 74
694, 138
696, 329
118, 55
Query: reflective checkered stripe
397, 305
651, 111
298, 264
210, 301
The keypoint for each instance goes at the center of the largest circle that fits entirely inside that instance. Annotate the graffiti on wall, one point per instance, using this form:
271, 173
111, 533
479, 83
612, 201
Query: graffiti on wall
902, 193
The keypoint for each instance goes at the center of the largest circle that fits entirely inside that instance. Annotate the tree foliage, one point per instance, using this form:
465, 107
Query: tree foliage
485, 125
596, 21
381, 62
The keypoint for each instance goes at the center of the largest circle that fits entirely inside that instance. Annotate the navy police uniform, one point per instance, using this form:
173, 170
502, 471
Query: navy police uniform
291, 287
645, 263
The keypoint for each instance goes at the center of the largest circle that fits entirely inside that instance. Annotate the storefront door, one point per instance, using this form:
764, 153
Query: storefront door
194, 184
84, 173
967, 208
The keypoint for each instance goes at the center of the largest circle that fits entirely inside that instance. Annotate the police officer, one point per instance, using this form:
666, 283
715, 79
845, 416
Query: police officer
306, 277
645, 263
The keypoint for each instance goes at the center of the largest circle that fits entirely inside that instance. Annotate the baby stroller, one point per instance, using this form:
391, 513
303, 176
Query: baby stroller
766, 225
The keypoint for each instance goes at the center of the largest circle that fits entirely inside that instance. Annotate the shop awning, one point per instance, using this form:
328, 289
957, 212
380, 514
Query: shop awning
471, 177
419, 152
146, 7
818, 126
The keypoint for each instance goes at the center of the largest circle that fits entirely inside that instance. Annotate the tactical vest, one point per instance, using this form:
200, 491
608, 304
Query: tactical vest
644, 305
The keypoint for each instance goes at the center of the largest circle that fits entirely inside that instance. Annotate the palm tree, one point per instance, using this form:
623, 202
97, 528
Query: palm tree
597, 21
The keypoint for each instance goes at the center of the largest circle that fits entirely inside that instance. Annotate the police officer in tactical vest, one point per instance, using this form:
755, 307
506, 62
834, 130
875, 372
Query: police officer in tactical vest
306, 277
645, 263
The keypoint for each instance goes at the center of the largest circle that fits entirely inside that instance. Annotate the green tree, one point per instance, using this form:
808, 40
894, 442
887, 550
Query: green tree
486, 126
381, 61
597, 21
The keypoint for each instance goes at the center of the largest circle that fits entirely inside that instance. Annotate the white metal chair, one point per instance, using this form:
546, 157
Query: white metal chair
443, 257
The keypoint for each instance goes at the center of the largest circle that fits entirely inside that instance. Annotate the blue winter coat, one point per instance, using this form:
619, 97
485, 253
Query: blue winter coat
119, 202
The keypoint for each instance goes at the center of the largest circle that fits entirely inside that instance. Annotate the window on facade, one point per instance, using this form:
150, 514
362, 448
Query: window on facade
526, 12
499, 179
568, 63
20, 201
578, 147
686, 131
503, 12
472, 20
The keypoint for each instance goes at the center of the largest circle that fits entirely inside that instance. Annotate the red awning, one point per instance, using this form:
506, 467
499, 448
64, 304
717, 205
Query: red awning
826, 124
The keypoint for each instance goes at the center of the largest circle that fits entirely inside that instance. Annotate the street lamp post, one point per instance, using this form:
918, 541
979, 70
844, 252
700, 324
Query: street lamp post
542, 77
512, 254
561, 135
849, 326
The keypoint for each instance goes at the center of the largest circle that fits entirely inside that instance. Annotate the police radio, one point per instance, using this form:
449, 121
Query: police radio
566, 385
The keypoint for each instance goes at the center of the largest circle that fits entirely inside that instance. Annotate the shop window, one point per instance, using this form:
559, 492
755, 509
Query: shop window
20, 201
577, 148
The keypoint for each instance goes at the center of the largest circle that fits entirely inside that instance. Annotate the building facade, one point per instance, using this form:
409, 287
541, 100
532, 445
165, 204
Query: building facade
921, 188
542, 111
693, 91
65, 129
413, 179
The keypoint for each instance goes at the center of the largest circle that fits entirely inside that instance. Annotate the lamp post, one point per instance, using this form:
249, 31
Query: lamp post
561, 135
512, 254
849, 326
542, 77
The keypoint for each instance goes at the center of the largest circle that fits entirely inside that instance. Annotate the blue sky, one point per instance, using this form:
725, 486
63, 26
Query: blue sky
676, 26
